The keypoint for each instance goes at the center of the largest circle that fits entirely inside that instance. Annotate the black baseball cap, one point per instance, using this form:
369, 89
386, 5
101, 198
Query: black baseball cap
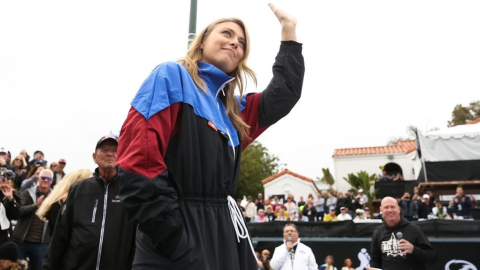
106, 138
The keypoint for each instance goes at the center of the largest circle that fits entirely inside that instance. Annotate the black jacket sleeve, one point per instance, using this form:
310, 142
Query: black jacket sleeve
285, 88
154, 208
423, 250
375, 252
61, 237
52, 216
27, 207
12, 208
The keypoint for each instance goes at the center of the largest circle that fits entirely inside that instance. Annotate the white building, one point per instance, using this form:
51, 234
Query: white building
288, 182
401, 157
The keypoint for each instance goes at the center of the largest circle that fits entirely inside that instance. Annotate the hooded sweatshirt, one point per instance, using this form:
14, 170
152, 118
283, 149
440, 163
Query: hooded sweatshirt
386, 255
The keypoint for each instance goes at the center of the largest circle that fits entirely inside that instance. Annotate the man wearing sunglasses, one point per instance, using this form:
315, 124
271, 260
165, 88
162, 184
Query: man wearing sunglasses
31, 233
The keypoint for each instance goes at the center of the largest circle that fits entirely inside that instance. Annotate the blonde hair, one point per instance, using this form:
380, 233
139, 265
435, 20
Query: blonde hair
22, 159
194, 54
61, 190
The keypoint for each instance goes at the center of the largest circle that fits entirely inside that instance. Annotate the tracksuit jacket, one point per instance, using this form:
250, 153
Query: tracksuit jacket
384, 250
92, 231
183, 156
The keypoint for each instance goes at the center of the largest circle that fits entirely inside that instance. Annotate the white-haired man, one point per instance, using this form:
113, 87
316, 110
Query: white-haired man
31, 232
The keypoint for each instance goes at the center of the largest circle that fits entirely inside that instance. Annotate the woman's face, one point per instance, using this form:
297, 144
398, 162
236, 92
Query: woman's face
224, 46
348, 262
17, 162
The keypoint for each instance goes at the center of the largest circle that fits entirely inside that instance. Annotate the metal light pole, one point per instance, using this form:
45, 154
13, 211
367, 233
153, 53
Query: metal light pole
192, 26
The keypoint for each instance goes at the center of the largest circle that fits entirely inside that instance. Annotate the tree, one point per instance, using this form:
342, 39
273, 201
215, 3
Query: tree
411, 131
327, 179
363, 181
462, 115
256, 164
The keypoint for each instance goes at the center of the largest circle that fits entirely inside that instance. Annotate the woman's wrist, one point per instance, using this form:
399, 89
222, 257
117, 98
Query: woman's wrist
289, 33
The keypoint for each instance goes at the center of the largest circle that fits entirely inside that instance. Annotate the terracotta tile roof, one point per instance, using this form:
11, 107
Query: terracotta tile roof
476, 121
401, 147
275, 176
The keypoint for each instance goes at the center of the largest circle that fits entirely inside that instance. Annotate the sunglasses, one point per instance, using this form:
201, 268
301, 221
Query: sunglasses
46, 178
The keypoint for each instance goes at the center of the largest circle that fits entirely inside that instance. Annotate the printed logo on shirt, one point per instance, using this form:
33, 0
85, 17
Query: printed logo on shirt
391, 247
116, 199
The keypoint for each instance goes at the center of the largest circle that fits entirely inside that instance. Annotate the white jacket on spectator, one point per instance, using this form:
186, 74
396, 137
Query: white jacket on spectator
303, 259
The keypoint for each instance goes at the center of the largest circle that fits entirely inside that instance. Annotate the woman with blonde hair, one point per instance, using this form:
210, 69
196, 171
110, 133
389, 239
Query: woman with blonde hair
53, 203
182, 141
20, 164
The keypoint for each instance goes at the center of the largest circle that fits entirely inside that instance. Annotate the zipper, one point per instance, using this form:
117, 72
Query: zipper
218, 106
100, 244
94, 210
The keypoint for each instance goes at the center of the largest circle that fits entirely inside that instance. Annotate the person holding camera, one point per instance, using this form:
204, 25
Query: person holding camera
408, 207
9, 206
4, 160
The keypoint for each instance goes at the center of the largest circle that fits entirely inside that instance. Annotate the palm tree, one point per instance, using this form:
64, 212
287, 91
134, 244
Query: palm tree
327, 179
363, 181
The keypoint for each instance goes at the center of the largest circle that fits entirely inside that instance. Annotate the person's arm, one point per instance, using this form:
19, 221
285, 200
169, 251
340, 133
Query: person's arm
261, 110
468, 203
375, 252
52, 216
423, 250
27, 209
11, 204
312, 264
61, 236
148, 199
279, 257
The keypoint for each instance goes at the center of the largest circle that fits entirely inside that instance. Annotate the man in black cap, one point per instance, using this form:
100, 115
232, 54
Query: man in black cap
92, 231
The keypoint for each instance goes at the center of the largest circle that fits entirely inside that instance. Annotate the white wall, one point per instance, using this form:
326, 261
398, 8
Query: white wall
288, 183
371, 163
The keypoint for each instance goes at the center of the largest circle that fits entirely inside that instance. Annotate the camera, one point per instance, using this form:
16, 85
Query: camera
6, 175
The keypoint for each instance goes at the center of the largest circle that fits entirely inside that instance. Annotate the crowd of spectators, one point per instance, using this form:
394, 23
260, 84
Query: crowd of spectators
25, 184
428, 206
336, 206
327, 206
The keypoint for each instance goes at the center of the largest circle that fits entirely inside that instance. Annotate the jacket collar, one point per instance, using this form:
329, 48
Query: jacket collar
213, 77
100, 180
294, 244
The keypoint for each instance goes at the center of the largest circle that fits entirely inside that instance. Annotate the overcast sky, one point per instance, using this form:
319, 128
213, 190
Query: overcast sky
68, 70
